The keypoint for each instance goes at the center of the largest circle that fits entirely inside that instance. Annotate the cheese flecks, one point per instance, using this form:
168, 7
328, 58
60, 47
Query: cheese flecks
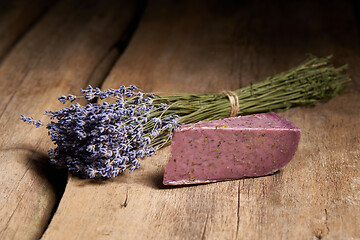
231, 148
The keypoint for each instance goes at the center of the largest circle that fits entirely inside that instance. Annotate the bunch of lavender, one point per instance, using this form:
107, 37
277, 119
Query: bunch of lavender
102, 140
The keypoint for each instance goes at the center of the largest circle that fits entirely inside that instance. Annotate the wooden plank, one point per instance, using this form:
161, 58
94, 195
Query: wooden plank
16, 17
68, 48
207, 47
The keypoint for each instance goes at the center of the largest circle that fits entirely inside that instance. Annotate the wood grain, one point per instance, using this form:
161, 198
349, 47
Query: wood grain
58, 56
16, 18
205, 46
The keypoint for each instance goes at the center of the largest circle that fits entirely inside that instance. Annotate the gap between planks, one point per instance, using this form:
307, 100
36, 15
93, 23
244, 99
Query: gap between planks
103, 68
39, 67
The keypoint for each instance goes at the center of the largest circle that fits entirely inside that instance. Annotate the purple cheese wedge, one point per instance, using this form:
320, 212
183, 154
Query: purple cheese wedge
231, 148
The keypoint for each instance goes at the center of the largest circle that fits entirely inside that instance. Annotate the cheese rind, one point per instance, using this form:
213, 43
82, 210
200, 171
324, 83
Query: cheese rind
231, 148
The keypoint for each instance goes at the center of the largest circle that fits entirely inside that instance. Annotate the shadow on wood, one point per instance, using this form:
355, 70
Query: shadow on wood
39, 163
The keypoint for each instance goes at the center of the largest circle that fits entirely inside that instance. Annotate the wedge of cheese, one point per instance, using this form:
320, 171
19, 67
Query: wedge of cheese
231, 148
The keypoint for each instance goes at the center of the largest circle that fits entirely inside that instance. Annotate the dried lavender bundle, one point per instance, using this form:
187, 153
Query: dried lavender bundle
102, 140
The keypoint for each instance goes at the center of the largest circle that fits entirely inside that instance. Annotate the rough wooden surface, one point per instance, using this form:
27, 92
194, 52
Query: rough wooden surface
16, 18
198, 46
60, 54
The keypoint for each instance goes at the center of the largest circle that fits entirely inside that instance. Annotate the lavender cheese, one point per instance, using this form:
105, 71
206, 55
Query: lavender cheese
232, 148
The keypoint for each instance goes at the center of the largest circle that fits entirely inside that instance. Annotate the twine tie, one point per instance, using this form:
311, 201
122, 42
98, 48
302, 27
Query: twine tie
234, 102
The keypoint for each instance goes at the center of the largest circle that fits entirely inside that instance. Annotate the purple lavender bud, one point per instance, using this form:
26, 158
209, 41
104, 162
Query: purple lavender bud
103, 140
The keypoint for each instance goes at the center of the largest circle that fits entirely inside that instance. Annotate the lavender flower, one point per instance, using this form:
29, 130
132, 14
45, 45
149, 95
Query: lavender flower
30, 121
103, 140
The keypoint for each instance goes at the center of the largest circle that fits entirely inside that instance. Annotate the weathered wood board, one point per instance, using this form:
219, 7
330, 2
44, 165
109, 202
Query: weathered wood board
60, 54
204, 46
16, 18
